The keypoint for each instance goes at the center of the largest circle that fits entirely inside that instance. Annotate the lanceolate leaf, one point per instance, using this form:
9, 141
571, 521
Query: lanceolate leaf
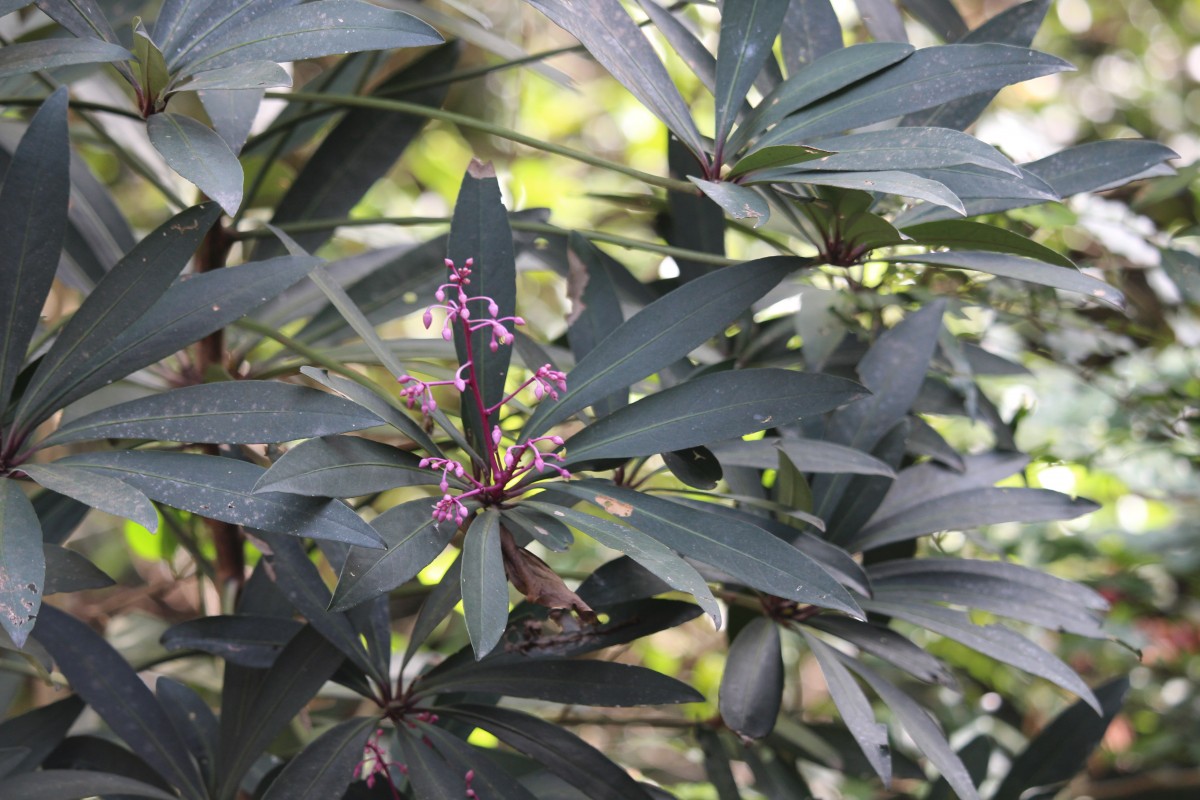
244, 639
480, 231
971, 235
310, 30
484, 583
561, 751
1025, 269
908, 148
921, 727
76, 784
713, 406
592, 683
253, 75
130, 288
595, 304
742, 550
970, 509
488, 779
22, 563
810, 30
739, 202
1057, 754
926, 78
854, 709
344, 466
200, 155
769, 158
102, 677
248, 727
612, 38
232, 113
832, 72
942, 17
232, 412
33, 221
662, 332
752, 683
182, 315
99, 491
811, 455
905, 184
684, 42
69, 571
413, 539
997, 641
656, 557
889, 645
325, 767
20, 58
1097, 166
748, 30
195, 722
221, 488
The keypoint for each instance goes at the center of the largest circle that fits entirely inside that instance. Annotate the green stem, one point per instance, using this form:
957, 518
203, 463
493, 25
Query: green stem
520, 225
312, 354
403, 107
77, 105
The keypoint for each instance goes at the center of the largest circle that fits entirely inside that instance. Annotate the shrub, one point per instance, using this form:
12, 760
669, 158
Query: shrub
772, 466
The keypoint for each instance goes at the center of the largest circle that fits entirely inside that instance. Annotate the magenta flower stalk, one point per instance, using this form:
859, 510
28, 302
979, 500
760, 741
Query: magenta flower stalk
499, 478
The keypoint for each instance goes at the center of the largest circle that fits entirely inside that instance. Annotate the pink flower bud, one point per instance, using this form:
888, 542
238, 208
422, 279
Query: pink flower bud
449, 264
496, 434
470, 262
427, 318
493, 309
460, 384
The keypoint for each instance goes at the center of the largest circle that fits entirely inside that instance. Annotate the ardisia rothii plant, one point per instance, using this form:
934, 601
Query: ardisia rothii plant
387, 555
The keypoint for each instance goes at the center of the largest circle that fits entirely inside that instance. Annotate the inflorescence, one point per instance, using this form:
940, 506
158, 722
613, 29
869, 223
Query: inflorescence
492, 482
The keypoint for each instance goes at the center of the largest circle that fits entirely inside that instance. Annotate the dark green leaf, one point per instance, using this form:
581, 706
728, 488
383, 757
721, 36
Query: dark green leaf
344, 466
832, 72
21, 58
716, 763
942, 18
84, 18
194, 721
480, 232
184, 314
126, 292
1058, 753
591, 683
627, 622
684, 42
893, 648
595, 304
970, 509
75, 784
252, 75
997, 641
771, 158
966, 234
614, 40
928, 77
484, 583
657, 558
921, 727
1024, 269
248, 726
440, 601
40, 730
741, 549
106, 493
22, 562
752, 684
413, 539
748, 30
232, 113
1097, 166
854, 708
377, 405
806, 455
1016, 25
222, 489
33, 221
102, 677
694, 466
232, 412
662, 332
543, 529
905, 184
244, 639
200, 155
325, 767
713, 406
175, 19
311, 30
301, 583
360, 150
561, 751
739, 202
152, 69
810, 30
429, 776
908, 148
68, 571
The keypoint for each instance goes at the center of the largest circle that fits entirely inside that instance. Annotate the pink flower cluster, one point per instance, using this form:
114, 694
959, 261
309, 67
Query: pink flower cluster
490, 482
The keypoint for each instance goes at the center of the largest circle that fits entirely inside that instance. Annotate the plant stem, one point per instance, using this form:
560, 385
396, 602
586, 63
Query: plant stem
403, 107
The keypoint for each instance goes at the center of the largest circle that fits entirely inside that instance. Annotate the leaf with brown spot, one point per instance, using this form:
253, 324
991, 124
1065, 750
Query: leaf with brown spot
614, 506
22, 562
